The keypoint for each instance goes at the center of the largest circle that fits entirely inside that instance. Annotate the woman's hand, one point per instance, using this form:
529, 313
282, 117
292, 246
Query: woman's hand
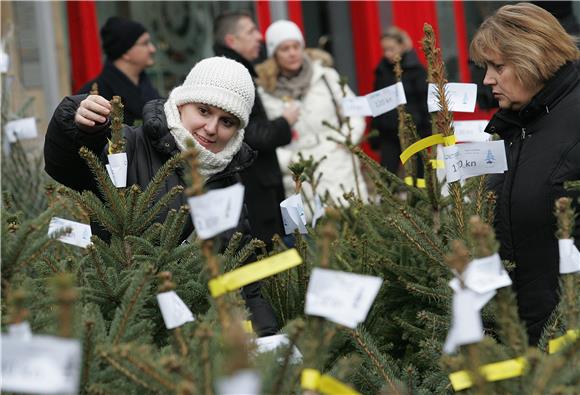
93, 111
291, 113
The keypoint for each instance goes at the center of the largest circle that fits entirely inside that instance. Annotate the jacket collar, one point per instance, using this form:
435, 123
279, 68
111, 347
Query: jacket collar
222, 50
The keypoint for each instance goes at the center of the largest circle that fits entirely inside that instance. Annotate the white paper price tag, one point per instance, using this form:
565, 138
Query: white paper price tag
271, 343
453, 163
175, 313
117, 169
217, 211
42, 364
318, 210
21, 129
4, 62
386, 99
20, 331
80, 234
569, 256
344, 298
243, 382
460, 97
471, 131
293, 215
482, 158
355, 106
485, 274
466, 326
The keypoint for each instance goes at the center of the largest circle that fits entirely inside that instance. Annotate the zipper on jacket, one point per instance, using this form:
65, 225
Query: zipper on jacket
523, 133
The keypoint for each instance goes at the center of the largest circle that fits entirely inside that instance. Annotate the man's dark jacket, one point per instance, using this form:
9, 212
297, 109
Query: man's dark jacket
113, 82
414, 81
542, 143
263, 180
148, 147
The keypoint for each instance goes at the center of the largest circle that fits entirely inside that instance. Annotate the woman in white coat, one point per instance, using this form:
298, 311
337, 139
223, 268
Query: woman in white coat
291, 76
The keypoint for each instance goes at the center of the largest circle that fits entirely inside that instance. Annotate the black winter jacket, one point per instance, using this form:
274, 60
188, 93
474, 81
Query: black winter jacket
414, 81
148, 148
263, 180
112, 82
543, 151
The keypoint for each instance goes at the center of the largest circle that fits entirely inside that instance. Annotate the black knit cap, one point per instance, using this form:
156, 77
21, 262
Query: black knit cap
119, 35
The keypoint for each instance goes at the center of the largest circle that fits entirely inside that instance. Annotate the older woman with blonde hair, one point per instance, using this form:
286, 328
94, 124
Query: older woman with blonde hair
291, 77
532, 66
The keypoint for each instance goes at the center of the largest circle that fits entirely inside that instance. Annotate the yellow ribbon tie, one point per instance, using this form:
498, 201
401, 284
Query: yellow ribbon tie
437, 163
253, 272
247, 325
491, 372
110, 146
420, 182
424, 143
311, 379
555, 345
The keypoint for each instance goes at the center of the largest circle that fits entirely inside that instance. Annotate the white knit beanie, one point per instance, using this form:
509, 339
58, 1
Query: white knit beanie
281, 31
219, 82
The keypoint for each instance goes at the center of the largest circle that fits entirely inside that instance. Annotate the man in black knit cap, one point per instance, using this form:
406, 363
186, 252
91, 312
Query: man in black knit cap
129, 52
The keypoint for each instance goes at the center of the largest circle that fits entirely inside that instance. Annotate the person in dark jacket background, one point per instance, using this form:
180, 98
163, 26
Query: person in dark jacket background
129, 51
396, 42
210, 109
237, 37
532, 66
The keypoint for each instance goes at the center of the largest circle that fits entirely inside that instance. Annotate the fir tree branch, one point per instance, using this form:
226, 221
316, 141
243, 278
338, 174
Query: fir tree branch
126, 372
372, 354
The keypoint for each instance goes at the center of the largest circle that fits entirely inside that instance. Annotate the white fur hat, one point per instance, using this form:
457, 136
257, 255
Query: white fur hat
281, 31
219, 82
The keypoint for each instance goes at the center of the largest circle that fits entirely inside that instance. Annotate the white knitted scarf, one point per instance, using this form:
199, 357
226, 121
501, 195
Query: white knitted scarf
209, 163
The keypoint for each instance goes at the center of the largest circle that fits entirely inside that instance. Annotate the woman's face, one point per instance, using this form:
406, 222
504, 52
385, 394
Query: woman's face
507, 89
211, 127
289, 56
391, 48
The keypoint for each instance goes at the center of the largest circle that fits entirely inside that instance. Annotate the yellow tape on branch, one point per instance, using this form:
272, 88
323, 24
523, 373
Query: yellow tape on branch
437, 163
420, 182
311, 379
253, 272
424, 143
491, 372
571, 336
247, 325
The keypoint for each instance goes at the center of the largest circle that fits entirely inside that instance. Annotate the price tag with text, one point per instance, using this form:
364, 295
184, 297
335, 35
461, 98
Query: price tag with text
460, 97
42, 364
217, 210
293, 215
486, 274
341, 297
355, 106
21, 129
79, 235
453, 163
471, 131
386, 99
175, 313
482, 158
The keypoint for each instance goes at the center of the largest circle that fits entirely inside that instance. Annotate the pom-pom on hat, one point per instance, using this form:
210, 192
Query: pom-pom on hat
219, 82
118, 35
281, 31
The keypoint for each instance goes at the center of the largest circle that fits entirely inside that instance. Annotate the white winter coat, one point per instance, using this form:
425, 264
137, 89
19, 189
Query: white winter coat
337, 170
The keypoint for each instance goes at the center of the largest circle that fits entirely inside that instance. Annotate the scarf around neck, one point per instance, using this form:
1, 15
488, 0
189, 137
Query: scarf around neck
297, 85
209, 163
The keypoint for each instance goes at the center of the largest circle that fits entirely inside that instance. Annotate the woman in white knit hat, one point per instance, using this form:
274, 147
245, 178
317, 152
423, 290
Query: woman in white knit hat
293, 75
210, 109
